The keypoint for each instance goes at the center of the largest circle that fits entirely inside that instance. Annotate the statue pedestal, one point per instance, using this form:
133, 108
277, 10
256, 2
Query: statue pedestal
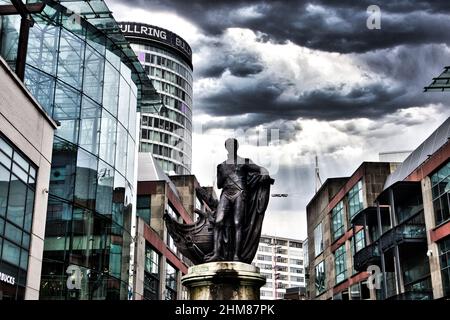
223, 281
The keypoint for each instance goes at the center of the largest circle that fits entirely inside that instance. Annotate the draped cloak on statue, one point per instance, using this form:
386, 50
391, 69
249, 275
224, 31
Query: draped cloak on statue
258, 193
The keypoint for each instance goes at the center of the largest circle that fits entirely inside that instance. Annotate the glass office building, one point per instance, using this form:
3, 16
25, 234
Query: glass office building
83, 72
167, 60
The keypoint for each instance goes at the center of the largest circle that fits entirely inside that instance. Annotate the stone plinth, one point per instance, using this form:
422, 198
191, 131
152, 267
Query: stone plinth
223, 281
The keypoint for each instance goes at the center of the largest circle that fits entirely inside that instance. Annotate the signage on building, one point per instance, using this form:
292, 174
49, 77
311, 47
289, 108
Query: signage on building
158, 34
7, 278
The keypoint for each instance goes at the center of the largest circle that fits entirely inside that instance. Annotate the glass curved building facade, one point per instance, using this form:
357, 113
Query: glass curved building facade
83, 72
167, 59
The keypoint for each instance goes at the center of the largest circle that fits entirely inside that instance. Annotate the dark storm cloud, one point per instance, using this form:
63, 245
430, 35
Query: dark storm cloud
320, 24
403, 73
239, 64
414, 66
400, 59
262, 103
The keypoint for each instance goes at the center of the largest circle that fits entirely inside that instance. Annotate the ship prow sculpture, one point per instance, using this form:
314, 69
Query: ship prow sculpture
229, 229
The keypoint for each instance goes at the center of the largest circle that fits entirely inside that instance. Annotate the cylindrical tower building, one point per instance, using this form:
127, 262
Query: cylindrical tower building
167, 59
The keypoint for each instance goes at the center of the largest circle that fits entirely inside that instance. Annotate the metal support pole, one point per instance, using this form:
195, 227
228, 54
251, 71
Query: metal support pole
383, 263
22, 47
18, 7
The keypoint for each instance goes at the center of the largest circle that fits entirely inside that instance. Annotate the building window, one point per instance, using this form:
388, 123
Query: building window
296, 270
263, 257
337, 218
320, 278
143, 208
444, 251
281, 268
360, 291
264, 249
151, 274
297, 279
265, 266
170, 241
340, 264
318, 239
266, 293
294, 244
171, 282
296, 262
281, 259
360, 240
17, 189
355, 199
440, 184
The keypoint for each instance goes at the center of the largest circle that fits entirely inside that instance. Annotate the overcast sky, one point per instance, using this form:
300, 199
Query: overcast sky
312, 74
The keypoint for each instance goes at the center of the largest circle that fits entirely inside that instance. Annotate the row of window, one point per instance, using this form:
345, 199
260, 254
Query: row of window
264, 249
169, 76
98, 243
156, 136
440, 184
167, 88
49, 59
152, 276
166, 125
176, 216
79, 176
444, 257
17, 191
294, 244
179, 105
175, 64
340, 262
337, 218
269, 294
282, 250
143, 208
169, 114
166, 152
170, 166
297, 279
355, 204
281, 242
85, 123
175, 57
262, 257
265, 266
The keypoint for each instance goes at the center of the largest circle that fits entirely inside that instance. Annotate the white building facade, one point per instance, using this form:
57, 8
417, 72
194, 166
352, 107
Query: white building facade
281, 261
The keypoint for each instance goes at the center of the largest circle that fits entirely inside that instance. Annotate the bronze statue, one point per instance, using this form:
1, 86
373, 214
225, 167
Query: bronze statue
231, 228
